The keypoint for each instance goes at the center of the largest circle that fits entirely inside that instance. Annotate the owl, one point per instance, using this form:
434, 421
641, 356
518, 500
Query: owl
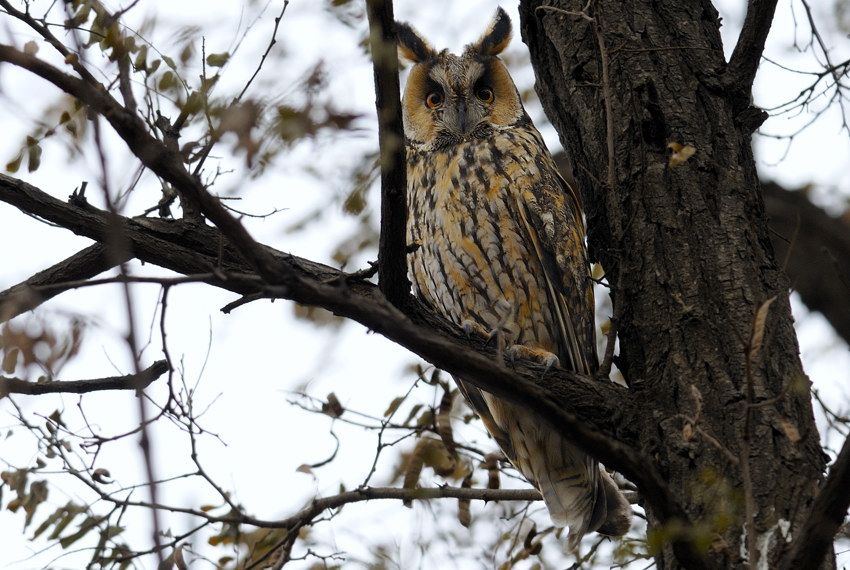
499, 250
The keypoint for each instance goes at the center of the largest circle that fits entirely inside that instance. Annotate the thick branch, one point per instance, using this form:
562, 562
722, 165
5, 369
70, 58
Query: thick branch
128, 382
814, 249
747, 54
825, 518
85, 264
392, 256
586, 409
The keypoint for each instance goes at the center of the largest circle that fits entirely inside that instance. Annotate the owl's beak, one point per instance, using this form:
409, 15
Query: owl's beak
460, 118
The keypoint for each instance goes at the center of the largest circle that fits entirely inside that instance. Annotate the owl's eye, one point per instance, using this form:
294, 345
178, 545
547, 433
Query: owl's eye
434, 99
485, 94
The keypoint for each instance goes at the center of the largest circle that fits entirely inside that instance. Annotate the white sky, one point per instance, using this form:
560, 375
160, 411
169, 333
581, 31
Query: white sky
245, 363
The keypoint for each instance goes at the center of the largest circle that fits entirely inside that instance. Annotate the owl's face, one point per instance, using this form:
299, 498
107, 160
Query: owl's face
450, 99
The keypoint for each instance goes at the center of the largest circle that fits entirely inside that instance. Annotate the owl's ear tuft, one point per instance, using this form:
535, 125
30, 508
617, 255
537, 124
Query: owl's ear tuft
411, 46
497, 37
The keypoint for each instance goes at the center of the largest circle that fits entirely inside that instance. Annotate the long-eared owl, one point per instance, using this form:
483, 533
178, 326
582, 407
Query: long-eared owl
501, 251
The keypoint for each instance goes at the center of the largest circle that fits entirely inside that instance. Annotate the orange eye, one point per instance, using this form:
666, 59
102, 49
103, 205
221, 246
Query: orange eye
434, 99
485, 94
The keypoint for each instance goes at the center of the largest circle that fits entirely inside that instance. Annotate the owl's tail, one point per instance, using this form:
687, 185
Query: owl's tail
592, 506
578, 493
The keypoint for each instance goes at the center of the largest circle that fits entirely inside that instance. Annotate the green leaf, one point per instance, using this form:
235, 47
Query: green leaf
217, 59
194, 103
140, 61
85, 527
33, 157
393, 406
15, 164
413, 412
37, 495
167, 81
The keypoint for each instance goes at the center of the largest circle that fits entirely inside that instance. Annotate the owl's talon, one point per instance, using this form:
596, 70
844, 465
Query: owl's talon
471, 328
538, 355
493, 335
467, 328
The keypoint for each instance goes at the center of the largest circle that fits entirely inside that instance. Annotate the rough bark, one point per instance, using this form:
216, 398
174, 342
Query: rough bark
812, 247
687, 252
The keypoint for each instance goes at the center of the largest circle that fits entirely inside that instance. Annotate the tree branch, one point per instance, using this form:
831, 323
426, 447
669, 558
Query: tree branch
153, 154
128, 382
825, 518
317, 506
587, 410
741, 71
392, 250
814, 249
44, 285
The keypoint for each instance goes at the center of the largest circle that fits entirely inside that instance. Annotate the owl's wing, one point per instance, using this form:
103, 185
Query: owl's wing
551, 213
475, 398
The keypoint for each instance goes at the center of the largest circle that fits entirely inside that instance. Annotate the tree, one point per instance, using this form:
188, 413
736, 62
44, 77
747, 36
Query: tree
715, 428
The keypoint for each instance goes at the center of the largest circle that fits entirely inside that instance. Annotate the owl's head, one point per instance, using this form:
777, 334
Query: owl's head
449, 98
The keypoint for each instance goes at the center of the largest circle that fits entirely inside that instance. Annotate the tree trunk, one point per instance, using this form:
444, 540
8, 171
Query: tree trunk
705, 332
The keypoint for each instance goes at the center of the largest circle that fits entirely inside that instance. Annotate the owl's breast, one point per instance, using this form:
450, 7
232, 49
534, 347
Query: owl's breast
476, 261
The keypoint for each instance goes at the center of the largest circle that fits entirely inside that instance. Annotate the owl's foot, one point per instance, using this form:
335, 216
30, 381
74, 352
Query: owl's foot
471, 328
538, 355
496, 336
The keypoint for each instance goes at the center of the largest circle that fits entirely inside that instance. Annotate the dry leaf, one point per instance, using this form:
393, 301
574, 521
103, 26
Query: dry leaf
681, 153
464, 515
688, 432
790, 430
332, 407
757, 337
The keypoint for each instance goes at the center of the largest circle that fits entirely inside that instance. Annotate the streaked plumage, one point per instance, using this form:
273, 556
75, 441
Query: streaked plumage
501, 250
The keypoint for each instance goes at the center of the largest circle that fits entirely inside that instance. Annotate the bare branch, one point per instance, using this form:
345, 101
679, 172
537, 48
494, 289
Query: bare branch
392, 255
128, 382
153, 154
814, 249
317, 506
746, 57
46, 284
71, 58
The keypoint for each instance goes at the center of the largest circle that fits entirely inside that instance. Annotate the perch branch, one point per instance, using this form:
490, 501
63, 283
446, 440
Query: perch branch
577, 405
